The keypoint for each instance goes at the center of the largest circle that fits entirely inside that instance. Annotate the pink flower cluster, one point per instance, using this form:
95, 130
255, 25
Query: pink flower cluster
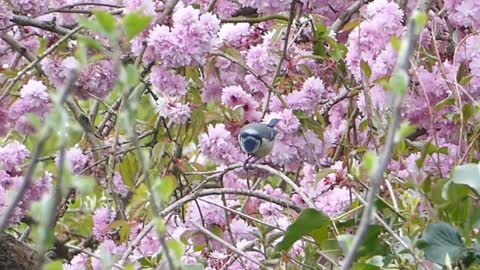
171, 108
224, 8
235, 96
219, 145
31, 7
167, 82
33, 99
463, 12
5, 15
147, 7
97, 80
12, 157
187, 41
370, 40
306, 99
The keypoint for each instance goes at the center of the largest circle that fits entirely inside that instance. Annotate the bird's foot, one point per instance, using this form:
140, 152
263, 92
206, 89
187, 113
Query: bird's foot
247, 165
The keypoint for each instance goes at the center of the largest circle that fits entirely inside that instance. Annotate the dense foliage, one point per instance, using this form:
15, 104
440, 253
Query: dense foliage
119, 122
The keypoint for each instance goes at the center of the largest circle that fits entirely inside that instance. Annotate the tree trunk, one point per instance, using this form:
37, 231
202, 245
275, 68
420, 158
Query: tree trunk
16, 255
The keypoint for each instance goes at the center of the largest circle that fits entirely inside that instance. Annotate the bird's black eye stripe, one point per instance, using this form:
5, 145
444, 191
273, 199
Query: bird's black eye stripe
256, 137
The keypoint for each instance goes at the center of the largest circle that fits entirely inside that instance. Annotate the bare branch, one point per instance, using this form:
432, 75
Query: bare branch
289, 181
283, 56
47, 26
343, 19
402, 67
255, 19
228, 245
199, 194
17, 47
91, 254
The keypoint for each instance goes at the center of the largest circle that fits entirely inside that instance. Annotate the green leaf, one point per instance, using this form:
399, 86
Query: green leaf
106, 21
468, 174
135, 23
160, 225
421, 18
396, 43
196, 266
446, 102
366, 68
166, 186
55, 265
345, 241
308, 221
440, 240
88, 24
91, 43
351, 24
177, 248
468, 111
84, 184
129, 267
370, 161
123, 229
128, 168
129, 75
372, 245
364, 266
404, 131
399, 83
465, 80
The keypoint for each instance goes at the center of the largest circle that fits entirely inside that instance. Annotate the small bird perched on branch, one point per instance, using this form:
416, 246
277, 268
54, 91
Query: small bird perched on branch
257, 139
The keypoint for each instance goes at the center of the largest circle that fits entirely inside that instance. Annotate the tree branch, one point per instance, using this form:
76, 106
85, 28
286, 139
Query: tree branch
228, 245
401, 68
255, 19
47, 26
283, 56
289, 181
344, 18
194, 196
17, 47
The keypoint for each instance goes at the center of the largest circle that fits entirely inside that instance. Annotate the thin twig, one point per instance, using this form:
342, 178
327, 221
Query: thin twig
253, 20
228, 245
34, 63
91, 254
17, 47
343, 19
258, 77
283, 56
47, 26
401, 68
27, 181
289, 181
211, 6
167, 9
82, 4
311, 241
199, 194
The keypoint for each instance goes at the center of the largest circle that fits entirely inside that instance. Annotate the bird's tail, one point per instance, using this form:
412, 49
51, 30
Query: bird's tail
273, 122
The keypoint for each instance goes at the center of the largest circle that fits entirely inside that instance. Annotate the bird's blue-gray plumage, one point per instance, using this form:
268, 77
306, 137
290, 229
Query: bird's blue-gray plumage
257, 139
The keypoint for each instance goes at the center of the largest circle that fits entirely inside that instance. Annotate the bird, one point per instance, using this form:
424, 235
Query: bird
257, 139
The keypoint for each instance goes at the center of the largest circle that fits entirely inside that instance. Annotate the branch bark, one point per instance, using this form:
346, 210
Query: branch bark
401, 68
48, 26
199, 194
343, 19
